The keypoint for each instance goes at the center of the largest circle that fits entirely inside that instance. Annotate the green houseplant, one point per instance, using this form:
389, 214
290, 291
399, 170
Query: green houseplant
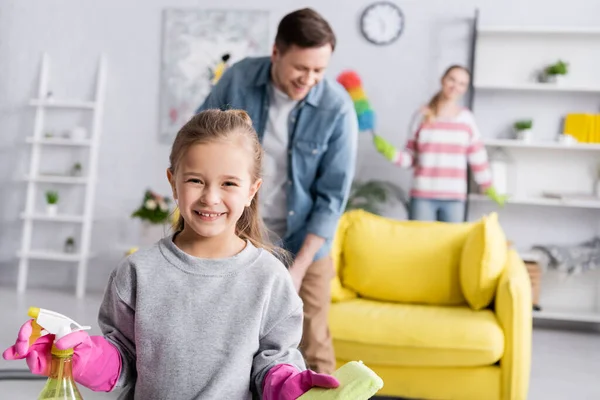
70, 245
523, 129
372, 195
52, 202
154, 208
154, 212
554, 73
76, 169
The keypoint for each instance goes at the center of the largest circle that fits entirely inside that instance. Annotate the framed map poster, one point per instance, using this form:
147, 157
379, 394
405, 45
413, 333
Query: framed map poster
197, 47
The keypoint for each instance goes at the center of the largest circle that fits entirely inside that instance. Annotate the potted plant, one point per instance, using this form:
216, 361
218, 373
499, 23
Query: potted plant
154, 213
51, 202
523, 129
555, 73
70, 245
76, 169
372, 195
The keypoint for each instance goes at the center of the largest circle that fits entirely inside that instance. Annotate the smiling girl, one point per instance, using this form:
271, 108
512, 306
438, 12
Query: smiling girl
443, 140
208, 312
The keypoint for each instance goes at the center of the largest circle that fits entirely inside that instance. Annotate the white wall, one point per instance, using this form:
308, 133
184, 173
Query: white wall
397, 80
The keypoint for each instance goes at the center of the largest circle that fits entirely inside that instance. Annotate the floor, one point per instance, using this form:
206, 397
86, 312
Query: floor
566, 362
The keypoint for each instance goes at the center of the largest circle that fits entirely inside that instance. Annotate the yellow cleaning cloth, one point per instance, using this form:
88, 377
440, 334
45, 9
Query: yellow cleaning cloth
357, 382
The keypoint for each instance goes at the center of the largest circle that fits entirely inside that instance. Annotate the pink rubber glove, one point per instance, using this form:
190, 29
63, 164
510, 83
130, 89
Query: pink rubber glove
96, 362
37, 355
285, 382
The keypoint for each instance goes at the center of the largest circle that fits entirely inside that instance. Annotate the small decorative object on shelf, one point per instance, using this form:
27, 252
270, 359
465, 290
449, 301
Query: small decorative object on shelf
535, 277
76, 169
499, 163
78, 133
523, 130
70, 245
50, 96
554, 73
583, 127
154, 213
52, 202
49, 135
598, 182
566, 139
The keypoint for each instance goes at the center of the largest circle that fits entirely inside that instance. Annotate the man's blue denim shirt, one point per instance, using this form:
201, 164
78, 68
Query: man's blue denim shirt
323, 132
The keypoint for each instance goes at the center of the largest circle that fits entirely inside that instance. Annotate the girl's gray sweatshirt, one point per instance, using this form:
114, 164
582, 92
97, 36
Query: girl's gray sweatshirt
191, 328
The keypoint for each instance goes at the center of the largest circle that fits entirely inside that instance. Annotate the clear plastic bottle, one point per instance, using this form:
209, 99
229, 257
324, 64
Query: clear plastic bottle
60, 384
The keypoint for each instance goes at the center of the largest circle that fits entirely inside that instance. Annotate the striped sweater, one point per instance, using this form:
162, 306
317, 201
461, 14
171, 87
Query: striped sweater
439, 151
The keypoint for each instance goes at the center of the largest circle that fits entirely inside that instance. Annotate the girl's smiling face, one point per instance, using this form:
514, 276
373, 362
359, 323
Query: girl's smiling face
213, 185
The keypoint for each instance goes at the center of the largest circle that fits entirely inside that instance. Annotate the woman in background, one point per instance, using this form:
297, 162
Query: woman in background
443, 139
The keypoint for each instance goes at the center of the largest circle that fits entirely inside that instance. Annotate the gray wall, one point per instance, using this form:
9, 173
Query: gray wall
397, 80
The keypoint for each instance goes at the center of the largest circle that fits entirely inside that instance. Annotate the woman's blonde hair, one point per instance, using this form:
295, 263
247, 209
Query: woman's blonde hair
431, 111
216, 125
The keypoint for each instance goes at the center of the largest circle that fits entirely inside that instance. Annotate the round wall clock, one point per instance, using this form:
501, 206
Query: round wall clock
382, 23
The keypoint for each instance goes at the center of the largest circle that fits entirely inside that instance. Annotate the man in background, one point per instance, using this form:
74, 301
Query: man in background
308, 129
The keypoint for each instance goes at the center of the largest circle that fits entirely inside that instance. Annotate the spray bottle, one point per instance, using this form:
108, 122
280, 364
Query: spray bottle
60, 383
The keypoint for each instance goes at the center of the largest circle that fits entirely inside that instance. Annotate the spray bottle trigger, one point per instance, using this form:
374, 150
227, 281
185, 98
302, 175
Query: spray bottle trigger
74, 327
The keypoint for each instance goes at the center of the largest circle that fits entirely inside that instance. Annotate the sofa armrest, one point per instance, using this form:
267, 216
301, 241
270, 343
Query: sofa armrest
338, 291
513, 309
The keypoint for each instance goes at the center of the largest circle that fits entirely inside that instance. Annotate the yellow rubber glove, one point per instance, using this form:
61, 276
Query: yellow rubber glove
384, 147
499, 199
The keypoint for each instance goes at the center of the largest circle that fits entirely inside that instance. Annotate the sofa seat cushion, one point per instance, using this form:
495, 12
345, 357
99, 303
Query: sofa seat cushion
415, 335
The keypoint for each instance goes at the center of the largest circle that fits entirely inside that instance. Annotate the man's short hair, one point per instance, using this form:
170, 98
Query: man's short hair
304, 28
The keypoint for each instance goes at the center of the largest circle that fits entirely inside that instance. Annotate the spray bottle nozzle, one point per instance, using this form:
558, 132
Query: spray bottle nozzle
33, 312
46, 321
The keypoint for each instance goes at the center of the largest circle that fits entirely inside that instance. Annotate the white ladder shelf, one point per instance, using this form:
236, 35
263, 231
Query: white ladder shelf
30, 215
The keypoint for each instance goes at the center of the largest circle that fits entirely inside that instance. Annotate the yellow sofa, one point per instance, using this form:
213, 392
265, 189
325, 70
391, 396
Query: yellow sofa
439, 311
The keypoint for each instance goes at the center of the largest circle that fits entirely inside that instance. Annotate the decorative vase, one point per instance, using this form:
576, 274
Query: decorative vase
52, 209
151, 233
69, 247
524, 135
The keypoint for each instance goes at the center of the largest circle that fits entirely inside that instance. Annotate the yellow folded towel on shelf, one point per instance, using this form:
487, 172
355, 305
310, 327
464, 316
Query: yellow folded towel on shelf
357, 382
585, 128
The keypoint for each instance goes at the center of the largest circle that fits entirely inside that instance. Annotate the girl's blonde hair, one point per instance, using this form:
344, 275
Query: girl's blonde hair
432, 108
216, 125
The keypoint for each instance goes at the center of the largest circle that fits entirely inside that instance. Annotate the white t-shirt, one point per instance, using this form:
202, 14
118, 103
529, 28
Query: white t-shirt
272, 197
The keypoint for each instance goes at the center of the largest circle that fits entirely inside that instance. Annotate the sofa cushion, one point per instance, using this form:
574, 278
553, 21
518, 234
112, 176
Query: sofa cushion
482, 262
403, 261
415, 335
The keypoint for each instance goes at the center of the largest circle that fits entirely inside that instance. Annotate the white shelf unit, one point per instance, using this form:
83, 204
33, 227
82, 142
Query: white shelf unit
30, 215
567, 315
51, 103
543, 201
546, 145
59, 142
535, 87
58, 179
47, 255
537, 30
507, 61
54, 218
